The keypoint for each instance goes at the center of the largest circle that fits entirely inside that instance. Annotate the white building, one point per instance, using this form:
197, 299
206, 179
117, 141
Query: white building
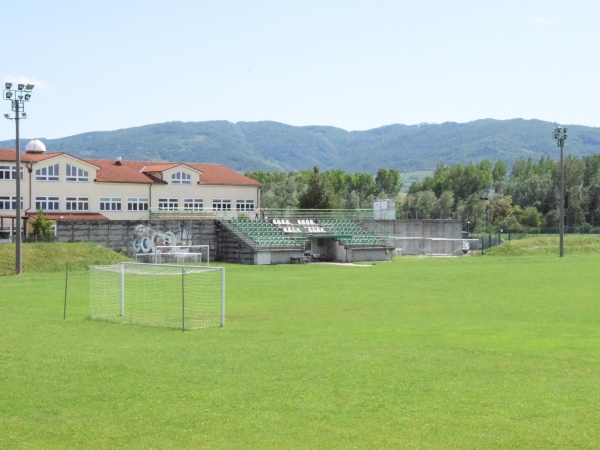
64, 186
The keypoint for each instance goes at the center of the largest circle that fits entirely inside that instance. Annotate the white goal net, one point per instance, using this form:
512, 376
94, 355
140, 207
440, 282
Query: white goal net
174, 254
427, 246
186, 297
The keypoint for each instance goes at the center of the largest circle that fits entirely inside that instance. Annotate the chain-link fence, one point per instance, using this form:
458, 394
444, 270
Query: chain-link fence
487, 241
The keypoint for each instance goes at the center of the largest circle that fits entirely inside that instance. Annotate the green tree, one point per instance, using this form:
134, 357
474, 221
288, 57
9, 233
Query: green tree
318, 194
551, 219
388, 182
425, 204
499, 171
352, 201
445, 203
531, 218
462, 180
41, 226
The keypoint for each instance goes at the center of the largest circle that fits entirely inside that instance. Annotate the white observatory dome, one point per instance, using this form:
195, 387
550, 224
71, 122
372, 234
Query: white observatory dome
35, 146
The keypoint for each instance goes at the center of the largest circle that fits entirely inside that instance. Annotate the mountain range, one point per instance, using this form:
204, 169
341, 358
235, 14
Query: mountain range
273, 146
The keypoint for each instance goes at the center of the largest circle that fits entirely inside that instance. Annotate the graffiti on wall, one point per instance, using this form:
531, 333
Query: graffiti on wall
147, 239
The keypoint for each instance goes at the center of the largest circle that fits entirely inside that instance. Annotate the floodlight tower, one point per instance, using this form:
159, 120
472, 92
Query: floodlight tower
17, 98
560, 134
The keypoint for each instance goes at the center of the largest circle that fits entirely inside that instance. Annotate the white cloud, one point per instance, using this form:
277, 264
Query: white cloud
25, 80
543, 20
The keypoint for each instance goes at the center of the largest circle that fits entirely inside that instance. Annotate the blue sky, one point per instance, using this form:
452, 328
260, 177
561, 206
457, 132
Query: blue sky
351, 64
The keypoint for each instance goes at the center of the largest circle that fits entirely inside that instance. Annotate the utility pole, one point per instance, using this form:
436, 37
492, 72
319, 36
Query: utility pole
560, 134
21, 95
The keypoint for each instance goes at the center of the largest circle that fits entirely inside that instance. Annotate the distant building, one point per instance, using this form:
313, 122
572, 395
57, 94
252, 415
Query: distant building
65, 187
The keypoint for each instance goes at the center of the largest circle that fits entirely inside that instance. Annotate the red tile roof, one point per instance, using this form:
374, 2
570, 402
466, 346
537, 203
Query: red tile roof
159, 167
126, 172
218, 174
135, 172
71, 216
131, 171
8, 155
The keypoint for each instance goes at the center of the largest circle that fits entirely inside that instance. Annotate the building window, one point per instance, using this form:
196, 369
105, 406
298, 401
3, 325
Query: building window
47, 203
110, 203
76, 174
9, 202
193, 204
181, 178
9, 172
77, 204
244, 205
49, 173
137, 204
168, 203
221, 204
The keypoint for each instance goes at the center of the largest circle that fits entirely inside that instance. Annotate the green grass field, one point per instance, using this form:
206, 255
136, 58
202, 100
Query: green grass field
488, 352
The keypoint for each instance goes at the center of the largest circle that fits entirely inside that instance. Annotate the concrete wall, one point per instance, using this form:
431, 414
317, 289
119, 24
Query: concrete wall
446, 228
428, 246
336, 251
276, 256
370, 254
231, 248
138, 236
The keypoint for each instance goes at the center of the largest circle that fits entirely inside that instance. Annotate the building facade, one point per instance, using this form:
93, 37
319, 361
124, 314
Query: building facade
64, 186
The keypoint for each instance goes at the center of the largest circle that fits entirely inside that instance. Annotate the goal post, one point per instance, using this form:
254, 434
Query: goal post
162, 295
169, 254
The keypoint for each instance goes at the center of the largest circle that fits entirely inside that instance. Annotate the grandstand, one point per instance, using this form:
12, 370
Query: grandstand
311, 235
263, 233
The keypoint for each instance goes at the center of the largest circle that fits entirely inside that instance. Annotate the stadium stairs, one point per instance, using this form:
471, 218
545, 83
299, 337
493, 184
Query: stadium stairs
241, 239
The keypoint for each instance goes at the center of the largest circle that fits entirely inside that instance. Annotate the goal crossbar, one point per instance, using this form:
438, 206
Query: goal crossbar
168, 295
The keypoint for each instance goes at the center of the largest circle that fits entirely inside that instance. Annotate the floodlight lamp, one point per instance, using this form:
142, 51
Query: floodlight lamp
29, 87
20, 87
6, 116
27, 96
24, 115
7, 85
9, 95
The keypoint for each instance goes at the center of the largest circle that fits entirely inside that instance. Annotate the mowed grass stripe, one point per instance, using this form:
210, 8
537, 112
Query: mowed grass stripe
466, 352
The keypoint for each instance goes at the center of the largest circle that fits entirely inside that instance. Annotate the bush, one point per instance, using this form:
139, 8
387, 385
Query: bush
41, 226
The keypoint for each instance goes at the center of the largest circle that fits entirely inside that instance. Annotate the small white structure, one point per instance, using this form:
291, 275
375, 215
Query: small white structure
384, 209
35, 147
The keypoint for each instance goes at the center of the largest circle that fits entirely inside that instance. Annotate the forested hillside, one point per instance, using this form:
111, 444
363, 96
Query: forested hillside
272, 146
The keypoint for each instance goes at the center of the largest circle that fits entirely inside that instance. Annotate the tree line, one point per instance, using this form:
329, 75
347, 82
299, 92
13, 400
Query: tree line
332, 189
485, 196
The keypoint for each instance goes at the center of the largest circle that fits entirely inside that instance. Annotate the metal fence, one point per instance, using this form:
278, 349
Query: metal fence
487, 241
39, 239
555, 230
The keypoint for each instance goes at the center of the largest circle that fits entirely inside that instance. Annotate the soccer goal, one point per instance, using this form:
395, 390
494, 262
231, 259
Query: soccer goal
162, 295
173, 254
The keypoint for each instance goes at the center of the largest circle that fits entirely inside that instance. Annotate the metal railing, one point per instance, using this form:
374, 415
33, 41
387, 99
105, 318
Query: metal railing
364, 218
190, 214
241, 235
554, 230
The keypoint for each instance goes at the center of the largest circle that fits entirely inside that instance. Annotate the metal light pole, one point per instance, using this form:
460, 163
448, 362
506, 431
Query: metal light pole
560, 134
17, 98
